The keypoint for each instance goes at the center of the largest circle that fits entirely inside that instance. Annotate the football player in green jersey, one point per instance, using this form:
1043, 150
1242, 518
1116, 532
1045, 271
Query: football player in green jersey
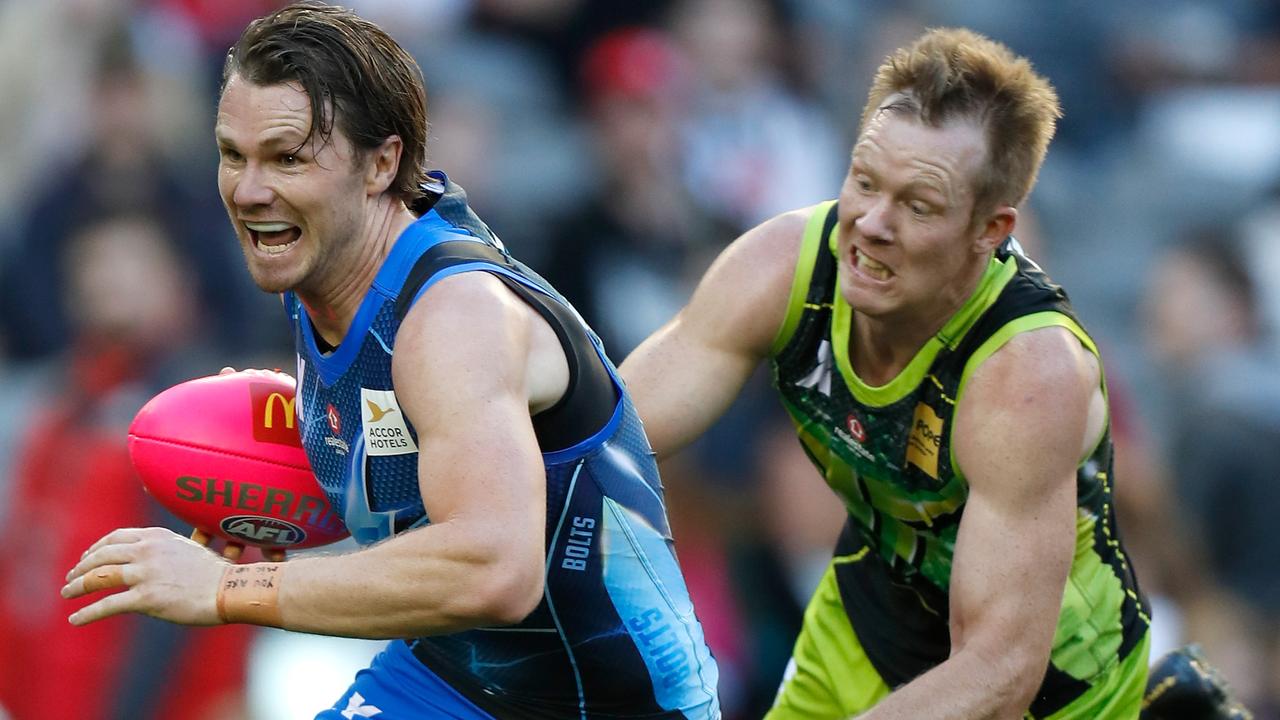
943, 387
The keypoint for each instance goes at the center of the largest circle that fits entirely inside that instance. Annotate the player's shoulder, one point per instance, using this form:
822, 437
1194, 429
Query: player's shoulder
767, 254
462, 289
467, 335
779, 238
1049, 359
463, 305
742, 300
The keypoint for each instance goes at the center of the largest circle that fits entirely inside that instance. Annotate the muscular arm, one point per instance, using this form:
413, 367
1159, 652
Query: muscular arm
463, 379
1021, 428
687, 374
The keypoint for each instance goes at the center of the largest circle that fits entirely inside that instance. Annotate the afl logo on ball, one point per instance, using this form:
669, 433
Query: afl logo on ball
265, 531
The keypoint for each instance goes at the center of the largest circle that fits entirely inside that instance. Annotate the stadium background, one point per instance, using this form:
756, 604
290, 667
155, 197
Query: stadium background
616, 147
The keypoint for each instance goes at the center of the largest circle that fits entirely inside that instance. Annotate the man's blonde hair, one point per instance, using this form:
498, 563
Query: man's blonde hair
953, 73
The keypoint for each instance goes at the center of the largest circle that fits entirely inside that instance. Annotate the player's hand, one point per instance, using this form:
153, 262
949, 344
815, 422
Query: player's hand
164, 575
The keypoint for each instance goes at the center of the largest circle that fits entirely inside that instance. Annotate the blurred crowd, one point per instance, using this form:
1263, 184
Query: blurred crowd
617, 147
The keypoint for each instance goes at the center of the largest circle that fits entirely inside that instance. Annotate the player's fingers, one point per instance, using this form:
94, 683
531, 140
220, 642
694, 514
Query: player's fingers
100, 578
123, 535
273, 555
104, 578
226, 370
103, 556
233, 551
106, 607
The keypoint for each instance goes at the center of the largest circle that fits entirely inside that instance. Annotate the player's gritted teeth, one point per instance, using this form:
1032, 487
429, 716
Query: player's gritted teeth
273, 238
871, 268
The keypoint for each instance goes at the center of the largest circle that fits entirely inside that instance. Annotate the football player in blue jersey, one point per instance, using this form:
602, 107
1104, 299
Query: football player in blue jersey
459, 414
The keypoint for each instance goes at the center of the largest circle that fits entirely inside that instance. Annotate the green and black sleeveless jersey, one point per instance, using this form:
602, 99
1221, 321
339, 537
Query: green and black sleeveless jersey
886, 451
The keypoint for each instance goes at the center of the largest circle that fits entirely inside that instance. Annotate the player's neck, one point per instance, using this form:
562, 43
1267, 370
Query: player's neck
333, 308
882, 347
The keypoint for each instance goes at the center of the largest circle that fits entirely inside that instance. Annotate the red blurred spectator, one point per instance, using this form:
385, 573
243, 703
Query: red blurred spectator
74, 483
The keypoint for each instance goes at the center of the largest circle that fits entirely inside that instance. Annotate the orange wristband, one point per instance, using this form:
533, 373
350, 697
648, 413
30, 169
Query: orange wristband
251, 594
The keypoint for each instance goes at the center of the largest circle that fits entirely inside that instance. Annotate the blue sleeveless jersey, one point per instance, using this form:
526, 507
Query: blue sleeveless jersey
615, 635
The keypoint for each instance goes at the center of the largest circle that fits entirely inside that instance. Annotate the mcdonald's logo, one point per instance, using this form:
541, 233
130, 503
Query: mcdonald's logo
274, 420
267, 414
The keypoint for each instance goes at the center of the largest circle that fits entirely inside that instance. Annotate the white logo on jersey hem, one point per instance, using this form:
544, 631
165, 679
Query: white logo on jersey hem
356, 706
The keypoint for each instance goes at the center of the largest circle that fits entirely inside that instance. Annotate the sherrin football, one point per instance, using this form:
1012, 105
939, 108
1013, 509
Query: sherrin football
223, 454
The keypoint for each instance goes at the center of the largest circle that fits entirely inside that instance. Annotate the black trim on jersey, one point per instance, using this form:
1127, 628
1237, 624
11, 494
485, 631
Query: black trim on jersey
1058, 690
1030, 292
822, 278
867, 591
818, 300
1134, 605
829, 222
591, 396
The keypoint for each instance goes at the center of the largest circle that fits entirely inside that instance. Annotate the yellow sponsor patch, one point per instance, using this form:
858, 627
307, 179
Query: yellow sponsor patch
925, 440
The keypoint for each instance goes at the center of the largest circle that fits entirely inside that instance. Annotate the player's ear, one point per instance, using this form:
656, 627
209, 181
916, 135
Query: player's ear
994, 228
383, 164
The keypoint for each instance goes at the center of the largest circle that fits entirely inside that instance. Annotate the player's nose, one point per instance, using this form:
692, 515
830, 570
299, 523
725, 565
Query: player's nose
252, 188
875, 221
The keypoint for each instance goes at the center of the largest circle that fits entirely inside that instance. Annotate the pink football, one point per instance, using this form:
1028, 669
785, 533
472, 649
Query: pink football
223, 454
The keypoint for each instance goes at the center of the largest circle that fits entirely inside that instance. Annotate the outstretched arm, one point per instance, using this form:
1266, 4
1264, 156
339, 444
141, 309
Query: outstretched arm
686, 374
462, 379
1022, 426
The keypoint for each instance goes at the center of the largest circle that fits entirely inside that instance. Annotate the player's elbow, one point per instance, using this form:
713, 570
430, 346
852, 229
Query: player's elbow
496, 574
1022, 690
511, 590
1016, 677
484, 592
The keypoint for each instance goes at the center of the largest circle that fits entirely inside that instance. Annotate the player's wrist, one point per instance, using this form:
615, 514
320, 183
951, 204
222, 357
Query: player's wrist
251, 594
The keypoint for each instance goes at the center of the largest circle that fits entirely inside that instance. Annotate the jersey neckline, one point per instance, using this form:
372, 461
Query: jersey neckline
994, 278
332, 365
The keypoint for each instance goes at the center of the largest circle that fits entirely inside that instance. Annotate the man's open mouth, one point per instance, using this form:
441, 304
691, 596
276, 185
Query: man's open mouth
871, 268
273, 238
